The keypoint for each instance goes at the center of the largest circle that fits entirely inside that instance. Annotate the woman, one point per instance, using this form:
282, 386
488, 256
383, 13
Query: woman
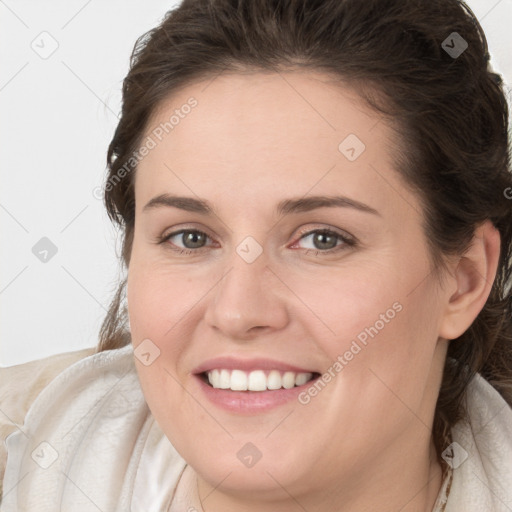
316, 217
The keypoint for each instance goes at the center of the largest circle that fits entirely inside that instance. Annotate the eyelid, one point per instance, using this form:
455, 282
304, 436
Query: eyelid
174, 230
324, 227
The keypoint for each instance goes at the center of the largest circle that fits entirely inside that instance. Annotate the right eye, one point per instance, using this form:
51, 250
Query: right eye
191, 240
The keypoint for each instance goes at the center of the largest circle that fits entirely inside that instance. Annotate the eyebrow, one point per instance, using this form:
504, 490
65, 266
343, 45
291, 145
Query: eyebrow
285, 207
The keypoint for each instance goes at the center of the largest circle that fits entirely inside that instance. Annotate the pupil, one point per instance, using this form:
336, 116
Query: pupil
193, 240
324, 241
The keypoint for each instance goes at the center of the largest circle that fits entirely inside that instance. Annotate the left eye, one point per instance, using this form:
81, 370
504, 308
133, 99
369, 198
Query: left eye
324, 240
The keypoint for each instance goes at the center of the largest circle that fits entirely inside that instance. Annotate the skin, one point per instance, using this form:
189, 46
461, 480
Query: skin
364, 442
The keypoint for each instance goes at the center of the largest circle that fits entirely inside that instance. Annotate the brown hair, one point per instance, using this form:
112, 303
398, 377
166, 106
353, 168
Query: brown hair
451, 113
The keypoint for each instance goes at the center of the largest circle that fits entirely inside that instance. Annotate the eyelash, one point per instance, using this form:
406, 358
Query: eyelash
347, 241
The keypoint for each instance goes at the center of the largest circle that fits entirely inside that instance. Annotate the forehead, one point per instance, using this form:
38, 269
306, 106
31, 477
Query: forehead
265, 133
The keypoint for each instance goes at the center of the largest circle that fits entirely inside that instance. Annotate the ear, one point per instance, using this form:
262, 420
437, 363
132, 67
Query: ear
472, 279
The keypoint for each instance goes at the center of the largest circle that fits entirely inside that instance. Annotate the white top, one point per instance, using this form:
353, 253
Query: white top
90, 443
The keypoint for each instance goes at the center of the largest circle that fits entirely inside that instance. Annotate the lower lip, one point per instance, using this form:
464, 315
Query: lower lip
250, 402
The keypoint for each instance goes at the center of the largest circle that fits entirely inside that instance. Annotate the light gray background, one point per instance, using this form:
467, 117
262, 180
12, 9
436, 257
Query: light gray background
58, 114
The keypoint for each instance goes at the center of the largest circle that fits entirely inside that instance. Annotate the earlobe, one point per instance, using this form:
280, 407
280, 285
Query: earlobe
474, 275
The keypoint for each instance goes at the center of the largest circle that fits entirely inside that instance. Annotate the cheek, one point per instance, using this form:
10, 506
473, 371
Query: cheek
375, 321
162, 308
158, 298
347, 306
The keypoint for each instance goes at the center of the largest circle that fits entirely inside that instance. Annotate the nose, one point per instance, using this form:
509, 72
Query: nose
248, 301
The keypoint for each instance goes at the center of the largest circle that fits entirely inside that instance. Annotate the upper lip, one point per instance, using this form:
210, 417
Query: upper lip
248, 365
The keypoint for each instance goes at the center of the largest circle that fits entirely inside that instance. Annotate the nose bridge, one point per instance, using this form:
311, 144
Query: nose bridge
245, 297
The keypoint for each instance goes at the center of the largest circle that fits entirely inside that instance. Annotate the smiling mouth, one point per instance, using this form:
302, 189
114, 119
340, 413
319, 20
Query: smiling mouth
256, 380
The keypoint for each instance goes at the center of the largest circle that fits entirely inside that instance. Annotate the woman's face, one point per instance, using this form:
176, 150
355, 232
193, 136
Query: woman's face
294, 251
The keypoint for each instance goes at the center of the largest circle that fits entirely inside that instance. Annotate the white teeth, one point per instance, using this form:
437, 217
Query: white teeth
238, 380
274, 380
257, 380
288, 380
301, 379
215, 375
224, 379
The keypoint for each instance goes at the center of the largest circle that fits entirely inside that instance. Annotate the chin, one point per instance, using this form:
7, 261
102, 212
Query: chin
242, 465
267, 478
